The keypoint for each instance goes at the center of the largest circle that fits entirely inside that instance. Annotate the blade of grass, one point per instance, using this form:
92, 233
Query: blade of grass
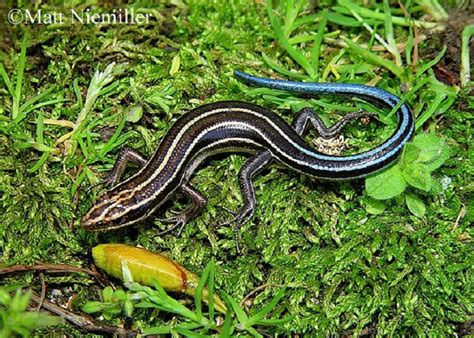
35, 145
239, 312
226, 329
290, 16
62, 123
78, 181
39, 105
281, 69
156, 330
431, 63
465, 73
396, 70
19, 78
92, 149
430, 111
77, 92
40, 127
83, 147
285, 43
109, 145
36, 98
389, 34
331, 63
367, 13
267, 308
188, 333
317, 44
312, 18
310, 37
433, 8
373, 33
409, 46
199, 289
6, 80
40, 162
405, 97
40, 140
210, 284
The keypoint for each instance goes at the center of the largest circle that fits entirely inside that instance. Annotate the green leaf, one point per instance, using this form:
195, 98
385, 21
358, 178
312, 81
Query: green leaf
371, 57
415, 205
387, 184
285, 43
128, 308
19, 79
155, 330
20, 300
227, 327
120, 295
146, 305
417, 176
431, 63
282, 70
267, 308
188, 333
241, 315
134, 114
317, 44
373, 206
92, 307
5, 297
410, 154
175, 63
200, 288
107, 294
6, 80
433, 151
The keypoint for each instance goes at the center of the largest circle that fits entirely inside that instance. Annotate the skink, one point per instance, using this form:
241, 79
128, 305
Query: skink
233, 126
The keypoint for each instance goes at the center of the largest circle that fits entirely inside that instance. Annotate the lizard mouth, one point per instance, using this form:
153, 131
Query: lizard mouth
91, 225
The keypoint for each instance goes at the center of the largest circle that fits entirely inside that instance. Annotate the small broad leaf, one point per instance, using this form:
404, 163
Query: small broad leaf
374, 207
134, 113
387, 184
418, 176
20, 300
128, 308
120, 295
415, 205
410, 154
91, 307
175, 63
434, 152
156, 330
107, 294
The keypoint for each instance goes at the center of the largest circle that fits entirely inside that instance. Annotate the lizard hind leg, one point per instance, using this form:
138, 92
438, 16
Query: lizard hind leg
246, 173
307, 117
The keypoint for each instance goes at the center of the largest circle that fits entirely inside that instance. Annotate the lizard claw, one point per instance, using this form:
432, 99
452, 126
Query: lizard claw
178, 221
238, 219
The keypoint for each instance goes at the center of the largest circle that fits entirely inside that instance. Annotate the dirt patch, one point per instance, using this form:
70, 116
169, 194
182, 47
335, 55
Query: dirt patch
447, 70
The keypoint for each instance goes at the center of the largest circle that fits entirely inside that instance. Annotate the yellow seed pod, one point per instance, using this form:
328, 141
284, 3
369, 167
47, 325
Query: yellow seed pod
145, 265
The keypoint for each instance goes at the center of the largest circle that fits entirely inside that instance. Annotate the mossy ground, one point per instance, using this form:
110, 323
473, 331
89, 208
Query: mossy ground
346, 270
